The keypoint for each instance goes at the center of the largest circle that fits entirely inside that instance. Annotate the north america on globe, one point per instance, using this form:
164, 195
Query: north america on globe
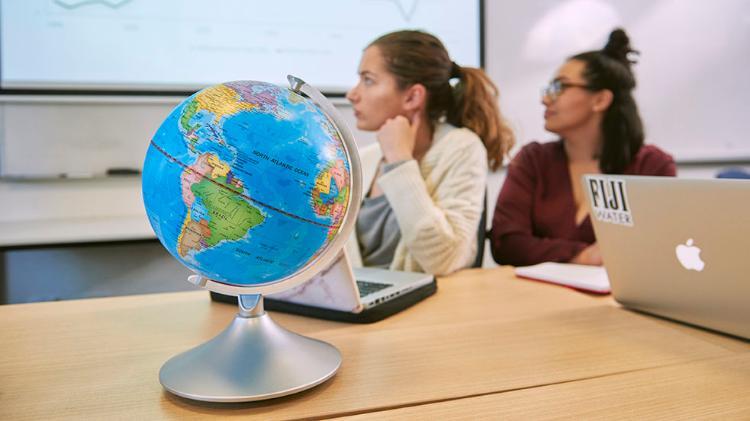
246, 182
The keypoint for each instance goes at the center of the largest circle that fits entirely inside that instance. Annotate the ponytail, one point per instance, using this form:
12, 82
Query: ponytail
475, 106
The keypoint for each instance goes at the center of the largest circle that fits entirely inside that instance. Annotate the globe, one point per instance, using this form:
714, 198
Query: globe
247, 183
255, 187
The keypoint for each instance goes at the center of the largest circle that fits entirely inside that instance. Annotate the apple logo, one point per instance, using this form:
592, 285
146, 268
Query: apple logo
689, 256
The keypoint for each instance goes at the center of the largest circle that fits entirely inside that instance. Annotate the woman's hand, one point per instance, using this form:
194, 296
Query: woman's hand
397, 137
589, 256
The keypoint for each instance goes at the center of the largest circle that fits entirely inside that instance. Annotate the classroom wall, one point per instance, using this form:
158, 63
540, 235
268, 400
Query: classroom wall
691, 67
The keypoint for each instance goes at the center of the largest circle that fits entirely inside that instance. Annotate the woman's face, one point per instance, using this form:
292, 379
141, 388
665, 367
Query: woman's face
573, 106
376, 97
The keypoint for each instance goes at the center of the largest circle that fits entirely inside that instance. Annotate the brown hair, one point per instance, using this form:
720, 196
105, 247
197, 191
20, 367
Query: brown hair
418, 57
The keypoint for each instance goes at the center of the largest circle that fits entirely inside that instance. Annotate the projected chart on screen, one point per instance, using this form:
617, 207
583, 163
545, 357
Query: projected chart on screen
172, 45
75, 4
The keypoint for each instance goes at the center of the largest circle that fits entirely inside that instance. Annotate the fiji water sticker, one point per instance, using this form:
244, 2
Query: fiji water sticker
609, 200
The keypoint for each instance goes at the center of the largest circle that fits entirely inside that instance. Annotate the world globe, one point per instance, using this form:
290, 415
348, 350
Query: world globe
247, 183
254, 187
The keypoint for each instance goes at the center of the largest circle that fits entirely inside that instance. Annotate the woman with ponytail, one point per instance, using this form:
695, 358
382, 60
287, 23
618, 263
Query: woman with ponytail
438, 130
540, 214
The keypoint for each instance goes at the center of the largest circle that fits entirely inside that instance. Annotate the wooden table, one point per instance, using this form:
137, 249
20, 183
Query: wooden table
486, 345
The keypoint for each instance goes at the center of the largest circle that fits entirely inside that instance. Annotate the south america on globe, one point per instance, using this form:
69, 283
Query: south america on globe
246, 182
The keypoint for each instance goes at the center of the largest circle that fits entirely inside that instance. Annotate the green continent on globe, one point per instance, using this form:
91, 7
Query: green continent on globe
190, 110
224, 216
229, 216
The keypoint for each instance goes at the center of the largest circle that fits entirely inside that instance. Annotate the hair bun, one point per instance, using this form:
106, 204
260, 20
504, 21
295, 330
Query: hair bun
618, 47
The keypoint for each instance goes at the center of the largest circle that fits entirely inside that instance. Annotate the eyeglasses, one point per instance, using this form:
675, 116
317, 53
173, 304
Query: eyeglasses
556, 88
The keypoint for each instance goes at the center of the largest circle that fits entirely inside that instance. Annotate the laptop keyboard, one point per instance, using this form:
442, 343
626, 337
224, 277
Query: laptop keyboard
366, 288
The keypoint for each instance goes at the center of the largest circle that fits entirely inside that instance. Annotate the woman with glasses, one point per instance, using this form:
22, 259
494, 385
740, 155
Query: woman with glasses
438, 130
540, 214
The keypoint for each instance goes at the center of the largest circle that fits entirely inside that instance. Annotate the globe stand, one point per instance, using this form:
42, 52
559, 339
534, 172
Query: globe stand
252, 359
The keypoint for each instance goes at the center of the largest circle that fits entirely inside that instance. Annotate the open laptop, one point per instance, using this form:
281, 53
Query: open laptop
676, 248
343, 293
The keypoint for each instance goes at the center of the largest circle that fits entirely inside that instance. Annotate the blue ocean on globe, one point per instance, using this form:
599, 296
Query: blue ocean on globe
246, 182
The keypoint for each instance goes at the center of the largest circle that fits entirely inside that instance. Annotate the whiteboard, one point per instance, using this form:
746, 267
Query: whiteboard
185, 45
693, 85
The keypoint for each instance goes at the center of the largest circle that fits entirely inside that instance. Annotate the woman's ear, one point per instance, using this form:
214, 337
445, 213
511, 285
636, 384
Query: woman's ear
602, 100
416, 97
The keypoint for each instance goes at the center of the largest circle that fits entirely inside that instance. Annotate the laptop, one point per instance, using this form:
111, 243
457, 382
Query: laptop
357, 295
676, 248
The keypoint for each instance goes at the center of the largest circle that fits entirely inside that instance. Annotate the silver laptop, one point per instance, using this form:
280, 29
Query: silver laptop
677, 248
354, 290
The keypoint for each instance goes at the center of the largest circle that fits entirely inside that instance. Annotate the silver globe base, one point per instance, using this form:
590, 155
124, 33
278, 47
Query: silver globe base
253, 359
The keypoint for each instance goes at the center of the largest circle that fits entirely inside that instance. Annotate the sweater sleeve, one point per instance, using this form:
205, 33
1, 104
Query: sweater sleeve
439, 231
512, 238
654, 161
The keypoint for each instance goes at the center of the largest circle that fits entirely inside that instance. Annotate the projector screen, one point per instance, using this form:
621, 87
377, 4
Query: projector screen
183, 45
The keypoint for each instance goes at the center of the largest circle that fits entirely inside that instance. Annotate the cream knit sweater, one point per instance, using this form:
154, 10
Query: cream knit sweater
437, 202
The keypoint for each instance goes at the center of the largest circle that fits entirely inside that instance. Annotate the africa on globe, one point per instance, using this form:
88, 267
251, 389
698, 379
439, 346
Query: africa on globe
246, 182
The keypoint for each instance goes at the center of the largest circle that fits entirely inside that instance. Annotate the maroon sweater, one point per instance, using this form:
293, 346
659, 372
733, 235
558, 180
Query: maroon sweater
534, 217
